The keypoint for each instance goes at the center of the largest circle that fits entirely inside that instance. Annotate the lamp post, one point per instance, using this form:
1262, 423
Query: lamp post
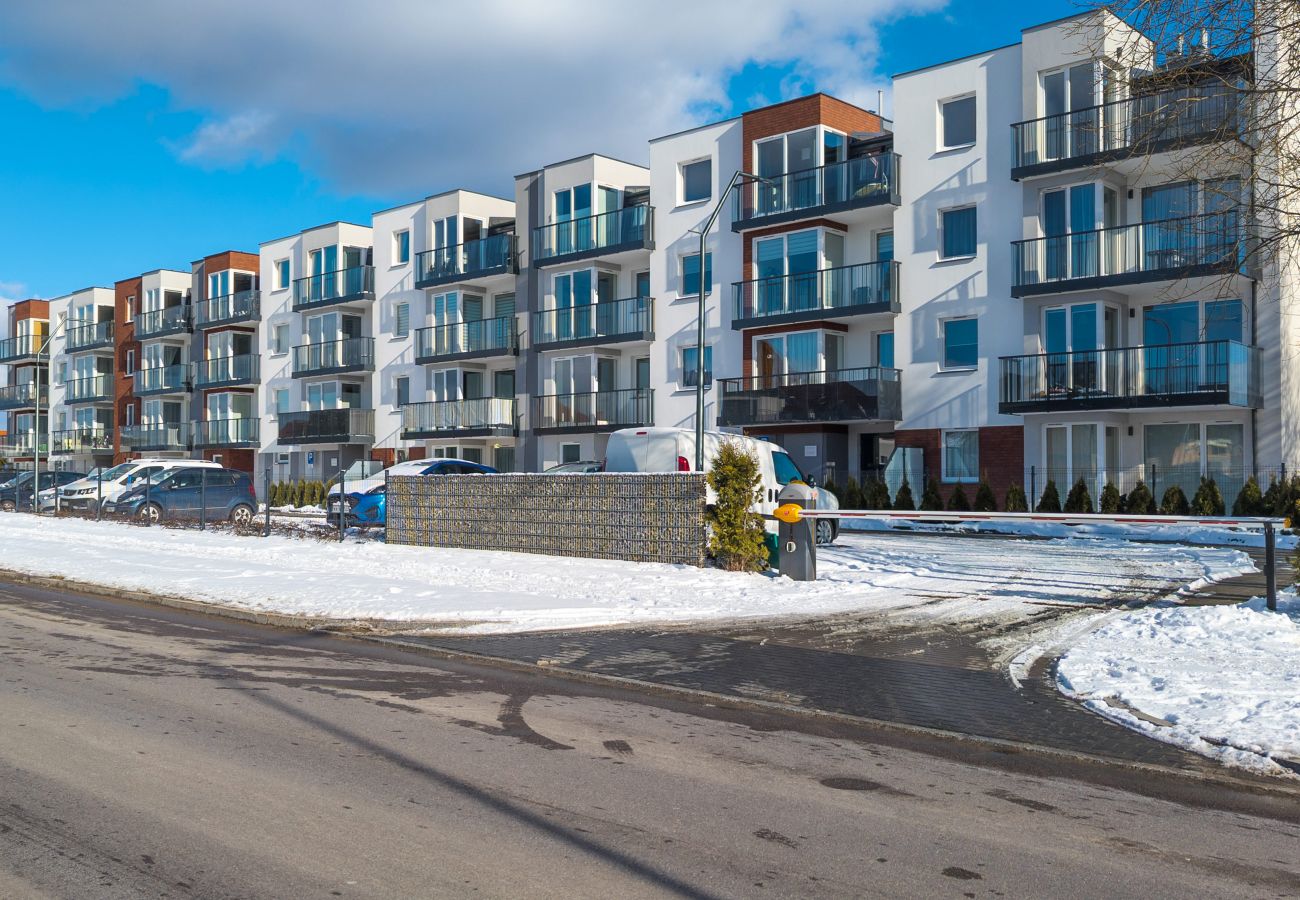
703, 230
36, 431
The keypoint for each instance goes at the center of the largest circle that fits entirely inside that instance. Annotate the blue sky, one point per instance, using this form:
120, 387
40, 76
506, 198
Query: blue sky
112, 166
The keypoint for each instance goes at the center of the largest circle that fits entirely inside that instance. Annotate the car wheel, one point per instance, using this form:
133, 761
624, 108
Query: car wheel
151, 513
8, 505
241, 515
825, 531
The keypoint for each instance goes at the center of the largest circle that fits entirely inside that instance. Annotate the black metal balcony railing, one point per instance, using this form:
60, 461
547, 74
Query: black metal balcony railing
162, 380
1162, 250
82, 440
837, 395
91, 389
22, 396
91, 336
630, 228
227, 432
481, 416
228, 309
632, 319
329, 288
846, 290
851, 184
1204, 373
1136, 126
327, 426
158, 436
482, 337
21, 347
495, 255
328, 357
598, 411
227, 371
162, 322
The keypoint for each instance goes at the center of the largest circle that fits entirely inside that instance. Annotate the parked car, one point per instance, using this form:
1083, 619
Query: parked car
581, 467
110, 484
673, 450
17, 494
362, 475
371, 508
183, 492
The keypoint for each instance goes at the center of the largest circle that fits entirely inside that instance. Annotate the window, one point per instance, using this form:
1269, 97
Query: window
570, 453
885, 349
961, 455
961, 343
401, 247
958, 122
402, 320
281, 274
281, 400
403, 391
697, 180
957, 232
280, 338
691, 273
690, 365
130, 362
130, 308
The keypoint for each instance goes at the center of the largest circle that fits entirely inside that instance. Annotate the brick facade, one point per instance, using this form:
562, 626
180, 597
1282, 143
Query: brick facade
125, 293
1002, 458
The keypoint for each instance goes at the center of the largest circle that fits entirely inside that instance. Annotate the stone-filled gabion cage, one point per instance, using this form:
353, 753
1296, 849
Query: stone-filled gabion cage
641, 518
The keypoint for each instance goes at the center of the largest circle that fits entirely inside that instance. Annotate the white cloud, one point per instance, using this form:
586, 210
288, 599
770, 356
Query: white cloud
408, 95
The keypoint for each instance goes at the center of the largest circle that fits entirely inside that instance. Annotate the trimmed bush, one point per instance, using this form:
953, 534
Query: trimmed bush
957, 501
1208, 499
931, 499
903, 499
1016, 500
1050, 502
1112, 501
1249, 502
984, 499
875, 495
1174, 502
1078, 500
1140, 501
737, 538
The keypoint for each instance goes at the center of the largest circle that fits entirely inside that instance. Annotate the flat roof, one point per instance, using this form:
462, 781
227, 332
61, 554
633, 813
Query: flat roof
445, 193
565, 162
313, 228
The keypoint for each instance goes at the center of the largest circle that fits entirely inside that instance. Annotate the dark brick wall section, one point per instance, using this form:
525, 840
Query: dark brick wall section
125, 342
640, 518
1002, 458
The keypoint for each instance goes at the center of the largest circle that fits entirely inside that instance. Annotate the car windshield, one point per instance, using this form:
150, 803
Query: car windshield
116, 472
22, 479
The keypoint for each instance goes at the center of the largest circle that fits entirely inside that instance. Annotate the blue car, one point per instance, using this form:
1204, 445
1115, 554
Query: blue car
370, 509
188, 493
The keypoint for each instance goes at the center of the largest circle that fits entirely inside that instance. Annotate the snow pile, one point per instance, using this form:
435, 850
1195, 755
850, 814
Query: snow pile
1226, 679
496, 591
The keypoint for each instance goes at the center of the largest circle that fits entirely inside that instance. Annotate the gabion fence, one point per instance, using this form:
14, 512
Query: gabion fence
641, 518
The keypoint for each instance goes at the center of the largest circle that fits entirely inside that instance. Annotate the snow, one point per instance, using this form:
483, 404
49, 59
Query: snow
926, 577
1223, 681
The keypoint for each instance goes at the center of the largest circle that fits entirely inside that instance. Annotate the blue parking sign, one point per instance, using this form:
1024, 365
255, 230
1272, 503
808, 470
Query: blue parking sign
311, 457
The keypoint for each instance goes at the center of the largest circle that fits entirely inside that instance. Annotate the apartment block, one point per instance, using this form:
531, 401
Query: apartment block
227, 355
26, 388
82, 379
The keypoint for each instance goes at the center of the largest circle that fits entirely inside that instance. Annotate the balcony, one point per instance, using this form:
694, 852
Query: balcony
81, 440
20, 445
228, 371
606, 234
483, 417
334, 357
92, 389
827, 190
495, 255
22, 348
163, 322
93, 336
479, 339
1208, 373
593, 324
22, 396
227, 433
1124, 129
162, 380
1164, 250
228, 309
869, 394
173, 436
327, 426
599, 411
354, 285
858, 290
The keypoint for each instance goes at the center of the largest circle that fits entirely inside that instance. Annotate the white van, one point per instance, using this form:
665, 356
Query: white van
85, 493
673, 450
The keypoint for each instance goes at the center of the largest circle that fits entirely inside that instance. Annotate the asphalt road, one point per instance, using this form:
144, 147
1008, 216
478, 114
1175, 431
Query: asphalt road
150, 753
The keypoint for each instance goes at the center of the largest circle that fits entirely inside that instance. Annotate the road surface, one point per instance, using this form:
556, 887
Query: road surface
146, 752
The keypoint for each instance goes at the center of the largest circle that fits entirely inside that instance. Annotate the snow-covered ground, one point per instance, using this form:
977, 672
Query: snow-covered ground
922, 576
1174, 534
1220, 680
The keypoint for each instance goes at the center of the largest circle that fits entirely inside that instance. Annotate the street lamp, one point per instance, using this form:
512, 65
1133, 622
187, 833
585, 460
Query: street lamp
703, 231
36, 432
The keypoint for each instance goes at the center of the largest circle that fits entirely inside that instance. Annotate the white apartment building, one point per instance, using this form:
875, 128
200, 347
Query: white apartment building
162, 380
83, 381
29, 322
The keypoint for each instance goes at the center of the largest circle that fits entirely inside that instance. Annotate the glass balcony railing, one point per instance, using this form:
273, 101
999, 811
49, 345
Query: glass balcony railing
22, 347
82, 440
1210, 373
228, 370
1165, 249
340, 286
838, 395
91, 336
1136, 126
228, 309
162, 380
495, 255
632, 319
851, 184
597, 411
162, 322
22, 396
345, 355
863, 288
157, 436
327, 426
631, 228
91, 389
484, 415
486, 337
226, 432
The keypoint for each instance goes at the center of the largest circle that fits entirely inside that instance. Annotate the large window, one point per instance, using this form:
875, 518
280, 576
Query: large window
960, 343
885, 349
957, 231
691, 362
697, 180
1180, 453
957, 119
403, 386
961, 455
691, 273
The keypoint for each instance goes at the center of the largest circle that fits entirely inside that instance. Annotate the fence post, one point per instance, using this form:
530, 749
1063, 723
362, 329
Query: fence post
1033, 487
99, 496
266, 499
203, 499
342, 502
148, 519
1270, 566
